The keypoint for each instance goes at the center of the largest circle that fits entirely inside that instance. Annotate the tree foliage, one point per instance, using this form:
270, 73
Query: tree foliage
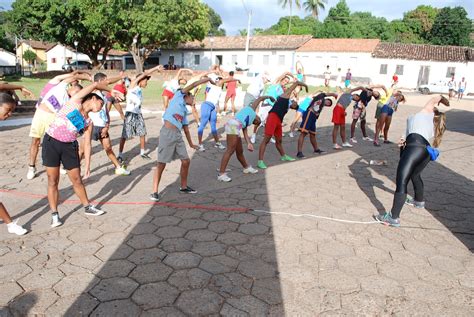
216, 21
451, 27
6, 42
29, 56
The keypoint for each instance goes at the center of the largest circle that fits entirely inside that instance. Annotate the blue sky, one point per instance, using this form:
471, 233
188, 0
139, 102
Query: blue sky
267, 12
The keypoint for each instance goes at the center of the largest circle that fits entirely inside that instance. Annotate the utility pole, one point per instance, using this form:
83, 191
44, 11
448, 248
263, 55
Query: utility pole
247, 42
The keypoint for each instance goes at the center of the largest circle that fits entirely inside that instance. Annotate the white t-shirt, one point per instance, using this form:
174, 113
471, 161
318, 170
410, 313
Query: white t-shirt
214, 94
99, 118
338, 78
327, 75
422, 124
256, 87
56, 97
134, 100
172, 85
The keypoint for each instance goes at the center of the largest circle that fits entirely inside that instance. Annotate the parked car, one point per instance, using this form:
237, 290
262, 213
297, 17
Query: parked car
73, 65
436, 87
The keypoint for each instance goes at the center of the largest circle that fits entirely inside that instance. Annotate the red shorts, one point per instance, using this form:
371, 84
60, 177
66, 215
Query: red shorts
168, 94
339, 115
230, 94
273, 126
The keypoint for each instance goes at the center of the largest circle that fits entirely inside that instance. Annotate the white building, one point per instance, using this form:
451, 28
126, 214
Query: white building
7, 62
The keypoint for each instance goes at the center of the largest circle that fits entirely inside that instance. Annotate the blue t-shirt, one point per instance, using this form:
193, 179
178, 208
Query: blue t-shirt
246, 116
304, 104
274, 91
300, 77
176, 111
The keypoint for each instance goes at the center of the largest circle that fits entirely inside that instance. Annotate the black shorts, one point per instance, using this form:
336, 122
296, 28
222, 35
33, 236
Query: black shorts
97, 134
55, 152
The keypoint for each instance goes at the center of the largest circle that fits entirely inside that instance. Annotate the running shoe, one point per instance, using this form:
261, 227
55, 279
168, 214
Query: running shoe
319, 151
122, 171
188, 190
336, 146
250, 170
55, 220
366, 138
219, 146
291, 135
387, 142
155, 197
353, 140
417, 204
376, 143
387, 220
224, 178
287, 158
300, 155
347, 144
145, 156
92, 210
261, 165
31, 172
253, 138
14, 227
201, 148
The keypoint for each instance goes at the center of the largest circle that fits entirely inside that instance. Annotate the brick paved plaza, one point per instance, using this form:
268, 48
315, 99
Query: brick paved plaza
207, 254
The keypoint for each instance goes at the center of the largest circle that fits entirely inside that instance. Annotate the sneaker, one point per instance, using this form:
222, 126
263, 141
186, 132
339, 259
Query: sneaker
253, 138
56, 220
300, 155
219, 145
387, 220
155, 197
15, 228
224, 178
366, 138
261, 165
145, 156
31, 172
62, 171
319, 151
336, 146
273, 140
387, 142
92, 210
122, 171
347, 144
417, 204
376, 143
287, 158
291, 135
188, 190
353, 140
250, 170
201, 148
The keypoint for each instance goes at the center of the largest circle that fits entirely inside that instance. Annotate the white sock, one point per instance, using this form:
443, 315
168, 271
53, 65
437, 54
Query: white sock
142, 151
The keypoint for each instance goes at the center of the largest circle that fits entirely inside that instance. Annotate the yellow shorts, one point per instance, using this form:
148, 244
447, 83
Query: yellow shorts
40, 123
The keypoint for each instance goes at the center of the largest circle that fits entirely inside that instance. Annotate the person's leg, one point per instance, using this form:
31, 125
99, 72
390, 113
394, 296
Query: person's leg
263, 146
314, 142
240, 153
279, 145
205, 117
4, 214
301, 141
388, 121
342, 127
231, 147
378, 126
213, 120
295, 121
362, 127
195, 113
34, 148
53, 193
142, 143
232, 100
78, 186
121, 145
334, 134
353, 127
184, 172
417, 182
106, 144
160, 167
227, 97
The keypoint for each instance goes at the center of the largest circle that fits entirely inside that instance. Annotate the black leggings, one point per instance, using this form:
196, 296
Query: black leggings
413, 159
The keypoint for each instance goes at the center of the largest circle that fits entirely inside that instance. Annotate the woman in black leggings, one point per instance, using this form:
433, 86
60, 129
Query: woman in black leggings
428, 124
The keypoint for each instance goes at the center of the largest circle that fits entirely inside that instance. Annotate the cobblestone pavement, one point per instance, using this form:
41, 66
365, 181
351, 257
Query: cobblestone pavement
206, 254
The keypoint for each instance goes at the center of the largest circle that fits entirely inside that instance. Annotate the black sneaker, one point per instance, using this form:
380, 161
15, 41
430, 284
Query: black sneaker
120, 160
188, 190
300, 155
155, 197
145, 156
93, 211
319, 151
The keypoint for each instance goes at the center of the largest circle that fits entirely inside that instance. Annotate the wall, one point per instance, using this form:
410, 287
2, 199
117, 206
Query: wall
7, 59
61, 54
23, 47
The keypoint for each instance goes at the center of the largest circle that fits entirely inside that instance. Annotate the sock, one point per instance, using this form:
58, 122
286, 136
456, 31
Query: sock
120, 154
142, 151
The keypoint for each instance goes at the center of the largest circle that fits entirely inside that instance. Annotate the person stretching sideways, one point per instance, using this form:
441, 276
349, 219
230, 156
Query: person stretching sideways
308, 125
172, 85
385, 119
7, 105
274, 124
302, 106
134, 124
170, 144
242, 120
60, 146
339, 118
230, 94
424, 129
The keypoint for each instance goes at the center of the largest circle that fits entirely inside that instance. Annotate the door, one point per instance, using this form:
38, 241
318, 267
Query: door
219, 59
423, 75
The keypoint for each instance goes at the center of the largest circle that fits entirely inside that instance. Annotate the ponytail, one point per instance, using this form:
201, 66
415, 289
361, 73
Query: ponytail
439, 121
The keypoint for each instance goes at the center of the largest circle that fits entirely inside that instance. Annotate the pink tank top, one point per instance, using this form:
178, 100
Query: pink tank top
68, 124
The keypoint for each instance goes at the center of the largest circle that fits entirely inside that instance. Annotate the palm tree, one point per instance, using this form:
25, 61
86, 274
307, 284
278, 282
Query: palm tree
285, 3
313, 6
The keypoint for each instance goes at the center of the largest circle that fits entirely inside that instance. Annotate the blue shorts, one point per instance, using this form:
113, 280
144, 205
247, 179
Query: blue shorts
308, 125
347, 83
388, 110
461, 90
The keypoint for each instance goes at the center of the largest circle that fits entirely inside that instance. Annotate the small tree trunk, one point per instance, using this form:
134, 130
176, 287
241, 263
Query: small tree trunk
138, 60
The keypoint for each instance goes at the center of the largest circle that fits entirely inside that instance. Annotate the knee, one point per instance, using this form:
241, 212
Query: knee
53, 181
76, 180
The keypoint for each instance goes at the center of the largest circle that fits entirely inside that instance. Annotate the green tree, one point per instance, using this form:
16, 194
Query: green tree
420, 21
5, 41
451, 27
314, 6
289, 3
216, 21
299, 26
29, 56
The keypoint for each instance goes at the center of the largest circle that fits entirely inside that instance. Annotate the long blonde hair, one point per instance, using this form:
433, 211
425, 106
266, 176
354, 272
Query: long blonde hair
439, 121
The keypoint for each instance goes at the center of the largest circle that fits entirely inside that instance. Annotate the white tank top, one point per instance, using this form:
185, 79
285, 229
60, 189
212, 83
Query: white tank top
422, 124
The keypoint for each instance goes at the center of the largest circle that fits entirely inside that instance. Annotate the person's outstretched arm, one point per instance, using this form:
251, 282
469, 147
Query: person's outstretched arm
87, 90
357, 88
24, 91
379, 87
259, 100
276, 81
188, 137
148, 72
433, 102
190, 87
181, 71
287, 93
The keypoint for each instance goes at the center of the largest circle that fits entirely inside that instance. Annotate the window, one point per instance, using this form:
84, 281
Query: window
234, 59
383, 69
266, 59
281, 59
197, 59
249, 59
450, 72
53, 60
399, 70
171, 60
